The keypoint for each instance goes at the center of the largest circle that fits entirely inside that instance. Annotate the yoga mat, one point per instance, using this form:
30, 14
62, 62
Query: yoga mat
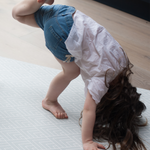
25, 125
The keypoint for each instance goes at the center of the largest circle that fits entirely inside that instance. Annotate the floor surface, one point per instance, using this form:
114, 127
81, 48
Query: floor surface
25, 125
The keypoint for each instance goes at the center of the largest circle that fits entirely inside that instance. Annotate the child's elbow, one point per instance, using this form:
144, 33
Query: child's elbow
88, 108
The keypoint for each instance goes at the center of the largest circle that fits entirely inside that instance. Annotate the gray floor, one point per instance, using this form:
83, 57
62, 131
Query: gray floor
25, 125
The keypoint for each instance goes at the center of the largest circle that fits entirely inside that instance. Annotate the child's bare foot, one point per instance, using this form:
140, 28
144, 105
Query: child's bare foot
50, 2
55, 109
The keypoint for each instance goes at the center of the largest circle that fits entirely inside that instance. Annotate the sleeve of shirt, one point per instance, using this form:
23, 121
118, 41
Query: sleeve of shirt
97, 88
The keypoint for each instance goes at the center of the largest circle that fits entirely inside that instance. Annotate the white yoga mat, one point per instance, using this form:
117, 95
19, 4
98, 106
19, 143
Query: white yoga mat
25, 125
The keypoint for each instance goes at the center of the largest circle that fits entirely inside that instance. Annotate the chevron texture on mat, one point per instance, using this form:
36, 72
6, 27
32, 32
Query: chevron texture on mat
25, 125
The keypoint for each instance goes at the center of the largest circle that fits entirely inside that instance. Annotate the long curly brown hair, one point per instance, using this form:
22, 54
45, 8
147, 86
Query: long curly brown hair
118, 115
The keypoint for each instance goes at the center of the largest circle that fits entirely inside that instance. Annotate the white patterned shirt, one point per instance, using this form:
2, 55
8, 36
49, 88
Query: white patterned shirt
95, 52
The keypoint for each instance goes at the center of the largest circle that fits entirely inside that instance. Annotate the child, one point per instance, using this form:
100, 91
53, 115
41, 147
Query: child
112, 107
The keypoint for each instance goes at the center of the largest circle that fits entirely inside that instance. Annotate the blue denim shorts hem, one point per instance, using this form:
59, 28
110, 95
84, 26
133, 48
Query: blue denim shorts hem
56, 22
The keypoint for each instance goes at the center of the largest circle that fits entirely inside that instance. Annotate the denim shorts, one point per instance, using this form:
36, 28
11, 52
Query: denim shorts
56, 22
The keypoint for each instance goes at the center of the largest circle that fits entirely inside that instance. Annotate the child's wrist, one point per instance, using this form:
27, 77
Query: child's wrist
87, 141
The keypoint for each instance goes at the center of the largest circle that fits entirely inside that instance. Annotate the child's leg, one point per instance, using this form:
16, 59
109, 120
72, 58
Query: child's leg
24, 11
59, 83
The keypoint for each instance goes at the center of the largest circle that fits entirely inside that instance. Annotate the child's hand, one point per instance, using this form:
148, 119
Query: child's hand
90, 145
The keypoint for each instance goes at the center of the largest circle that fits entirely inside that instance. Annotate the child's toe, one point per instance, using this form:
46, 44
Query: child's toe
66, 116
56, 115
62, 115
59, 115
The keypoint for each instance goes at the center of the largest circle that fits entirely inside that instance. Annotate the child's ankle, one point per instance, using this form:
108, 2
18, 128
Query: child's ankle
49, 101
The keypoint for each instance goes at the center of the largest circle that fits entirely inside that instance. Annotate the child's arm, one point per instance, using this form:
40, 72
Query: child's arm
88, 121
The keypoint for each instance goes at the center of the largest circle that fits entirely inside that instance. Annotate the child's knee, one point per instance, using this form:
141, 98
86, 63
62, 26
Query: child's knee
72, 74
75, 74
15, 14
